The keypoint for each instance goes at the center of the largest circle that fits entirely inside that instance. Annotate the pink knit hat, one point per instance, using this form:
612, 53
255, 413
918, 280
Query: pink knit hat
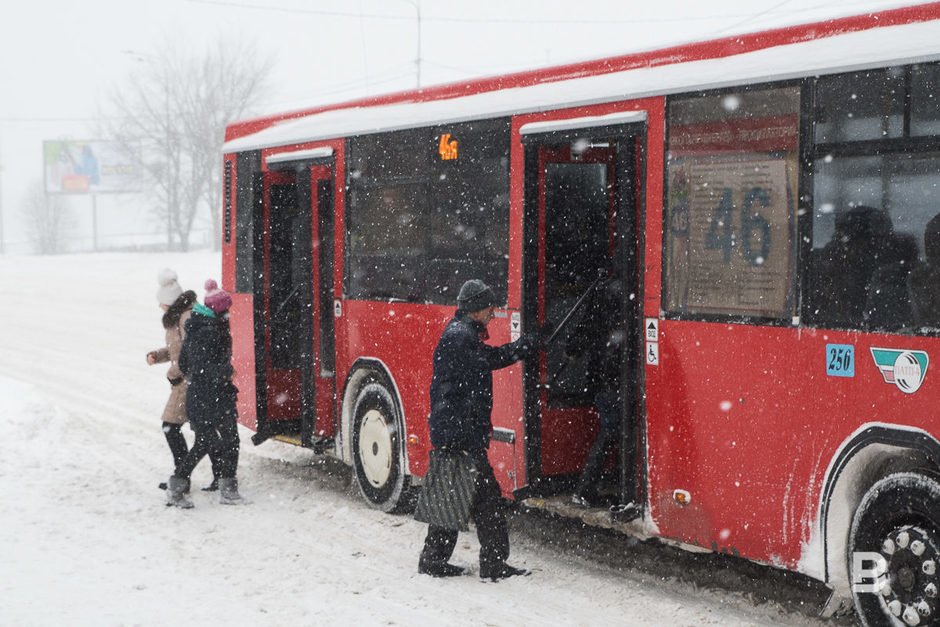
216, 299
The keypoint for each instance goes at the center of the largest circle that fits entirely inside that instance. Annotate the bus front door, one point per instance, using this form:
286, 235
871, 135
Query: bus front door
581, 214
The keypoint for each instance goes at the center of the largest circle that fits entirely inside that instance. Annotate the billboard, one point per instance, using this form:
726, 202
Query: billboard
91, 167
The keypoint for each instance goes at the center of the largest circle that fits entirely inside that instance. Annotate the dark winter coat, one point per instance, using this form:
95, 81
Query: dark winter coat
462, 384
599, 337
206, 361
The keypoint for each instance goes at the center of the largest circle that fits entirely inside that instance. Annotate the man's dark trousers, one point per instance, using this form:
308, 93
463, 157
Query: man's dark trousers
488, 515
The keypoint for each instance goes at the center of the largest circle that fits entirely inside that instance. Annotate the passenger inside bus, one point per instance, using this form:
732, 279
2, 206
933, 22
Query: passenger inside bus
925, 280
842, 269
888, 303
598, 339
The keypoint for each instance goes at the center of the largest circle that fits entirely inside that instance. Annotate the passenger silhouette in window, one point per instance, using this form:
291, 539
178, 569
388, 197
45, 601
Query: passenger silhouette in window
843, 267
925, 280
888, 305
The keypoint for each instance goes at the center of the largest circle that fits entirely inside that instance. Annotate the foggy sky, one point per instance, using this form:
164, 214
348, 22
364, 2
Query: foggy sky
59, 59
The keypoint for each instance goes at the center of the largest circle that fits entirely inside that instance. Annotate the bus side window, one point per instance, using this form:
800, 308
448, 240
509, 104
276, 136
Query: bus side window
874, 197
732, 180
247, 208
925, 280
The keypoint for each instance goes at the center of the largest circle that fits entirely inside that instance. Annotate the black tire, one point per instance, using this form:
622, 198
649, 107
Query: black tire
377, 449
899, 518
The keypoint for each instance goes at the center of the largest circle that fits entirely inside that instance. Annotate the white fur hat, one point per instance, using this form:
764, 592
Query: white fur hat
169, 289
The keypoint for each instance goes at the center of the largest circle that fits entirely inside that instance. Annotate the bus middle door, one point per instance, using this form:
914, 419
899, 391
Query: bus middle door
286, 288
581, 212
319, 370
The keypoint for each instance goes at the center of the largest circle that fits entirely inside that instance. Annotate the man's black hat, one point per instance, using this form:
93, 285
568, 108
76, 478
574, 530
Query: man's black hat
475, 295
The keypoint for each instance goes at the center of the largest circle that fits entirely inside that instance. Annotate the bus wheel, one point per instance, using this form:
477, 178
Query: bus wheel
377, 449
897, 525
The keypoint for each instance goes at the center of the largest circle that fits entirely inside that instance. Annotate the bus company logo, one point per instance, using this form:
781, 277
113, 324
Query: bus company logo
905, 369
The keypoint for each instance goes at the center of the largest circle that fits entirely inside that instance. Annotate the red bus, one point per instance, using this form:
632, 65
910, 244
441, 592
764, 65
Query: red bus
770, 202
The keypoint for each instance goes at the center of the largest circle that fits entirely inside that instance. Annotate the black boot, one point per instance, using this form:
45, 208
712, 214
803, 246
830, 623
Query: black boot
442, 569
501, 570
228, 492
212, 487
177, 487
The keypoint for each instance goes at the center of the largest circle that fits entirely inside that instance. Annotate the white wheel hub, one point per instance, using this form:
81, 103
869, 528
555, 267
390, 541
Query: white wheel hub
375, 448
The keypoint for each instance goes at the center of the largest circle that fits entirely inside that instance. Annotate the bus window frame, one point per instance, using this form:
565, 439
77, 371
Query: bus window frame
796, 275
908, 143
498, 126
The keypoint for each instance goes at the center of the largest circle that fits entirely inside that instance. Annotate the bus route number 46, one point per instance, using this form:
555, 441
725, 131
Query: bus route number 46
721, 236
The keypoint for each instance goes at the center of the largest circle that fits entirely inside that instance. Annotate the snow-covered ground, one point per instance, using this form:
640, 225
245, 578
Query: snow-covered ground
86, 540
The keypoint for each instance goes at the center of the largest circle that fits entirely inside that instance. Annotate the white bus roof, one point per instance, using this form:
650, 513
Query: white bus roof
887, 45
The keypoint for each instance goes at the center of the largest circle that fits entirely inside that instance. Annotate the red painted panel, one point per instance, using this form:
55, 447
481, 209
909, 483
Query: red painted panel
241, 321
403, 337
746, 419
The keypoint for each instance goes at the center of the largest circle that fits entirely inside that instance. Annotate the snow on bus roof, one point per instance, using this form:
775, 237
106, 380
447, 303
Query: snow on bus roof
904, 43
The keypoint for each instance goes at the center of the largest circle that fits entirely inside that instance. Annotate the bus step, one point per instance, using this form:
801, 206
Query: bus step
604, 517
288, 438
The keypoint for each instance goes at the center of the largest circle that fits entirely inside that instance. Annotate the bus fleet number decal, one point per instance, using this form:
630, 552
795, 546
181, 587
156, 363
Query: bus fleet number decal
840, 360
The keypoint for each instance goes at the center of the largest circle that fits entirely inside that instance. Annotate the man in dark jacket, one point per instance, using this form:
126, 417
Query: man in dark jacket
461, 402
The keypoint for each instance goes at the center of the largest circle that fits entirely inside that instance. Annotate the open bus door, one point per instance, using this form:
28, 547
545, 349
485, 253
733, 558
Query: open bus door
297, 305
581, 224
320, 382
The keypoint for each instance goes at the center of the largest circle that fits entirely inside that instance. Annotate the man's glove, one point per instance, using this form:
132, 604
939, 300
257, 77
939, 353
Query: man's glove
528, 345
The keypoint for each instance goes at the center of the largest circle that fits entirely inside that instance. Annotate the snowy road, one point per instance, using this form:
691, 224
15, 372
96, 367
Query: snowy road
86, 540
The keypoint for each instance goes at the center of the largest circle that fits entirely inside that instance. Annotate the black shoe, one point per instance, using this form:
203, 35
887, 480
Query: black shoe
502, 571
212, 487
441, 570
625, 512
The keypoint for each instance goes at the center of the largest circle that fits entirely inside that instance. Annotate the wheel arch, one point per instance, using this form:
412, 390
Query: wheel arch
362, 371
870, 454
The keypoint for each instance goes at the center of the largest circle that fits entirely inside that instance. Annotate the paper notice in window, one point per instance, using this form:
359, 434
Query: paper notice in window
735, 251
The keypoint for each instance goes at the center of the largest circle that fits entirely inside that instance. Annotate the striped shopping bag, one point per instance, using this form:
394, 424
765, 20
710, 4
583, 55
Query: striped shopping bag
448, 490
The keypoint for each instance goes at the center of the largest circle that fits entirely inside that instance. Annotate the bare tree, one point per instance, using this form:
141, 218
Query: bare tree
177, 107
48, 220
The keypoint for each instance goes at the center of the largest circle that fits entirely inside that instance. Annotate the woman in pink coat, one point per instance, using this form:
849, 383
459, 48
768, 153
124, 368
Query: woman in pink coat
177, 306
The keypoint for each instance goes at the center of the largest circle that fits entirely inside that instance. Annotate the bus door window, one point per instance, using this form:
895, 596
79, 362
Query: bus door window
318, 385
287, 285
325, 238
287, 259
576, 250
